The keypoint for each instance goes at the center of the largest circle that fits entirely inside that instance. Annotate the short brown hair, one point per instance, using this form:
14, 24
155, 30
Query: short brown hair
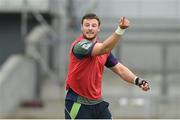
91, 16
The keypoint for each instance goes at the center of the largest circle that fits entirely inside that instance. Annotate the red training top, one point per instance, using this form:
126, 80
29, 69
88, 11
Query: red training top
85, 75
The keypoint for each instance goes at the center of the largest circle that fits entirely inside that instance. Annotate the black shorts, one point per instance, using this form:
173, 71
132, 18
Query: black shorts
74, 110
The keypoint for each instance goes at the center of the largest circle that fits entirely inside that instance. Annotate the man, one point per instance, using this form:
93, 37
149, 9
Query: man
88, 57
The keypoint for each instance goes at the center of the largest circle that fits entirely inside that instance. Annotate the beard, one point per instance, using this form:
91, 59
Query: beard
89, 35
89, 38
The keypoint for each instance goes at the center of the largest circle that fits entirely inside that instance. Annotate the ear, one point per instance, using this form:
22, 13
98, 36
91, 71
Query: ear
81, 28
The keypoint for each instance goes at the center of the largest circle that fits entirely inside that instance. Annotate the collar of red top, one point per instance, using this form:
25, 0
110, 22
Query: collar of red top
81, 37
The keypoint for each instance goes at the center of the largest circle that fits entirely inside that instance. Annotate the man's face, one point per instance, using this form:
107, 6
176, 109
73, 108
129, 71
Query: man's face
90, 28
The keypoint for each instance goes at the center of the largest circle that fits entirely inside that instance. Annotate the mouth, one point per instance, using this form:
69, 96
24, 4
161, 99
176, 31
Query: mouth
90, 33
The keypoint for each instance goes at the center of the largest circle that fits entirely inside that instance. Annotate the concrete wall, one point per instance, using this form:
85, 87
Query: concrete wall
17, 83
16, 6
139, 8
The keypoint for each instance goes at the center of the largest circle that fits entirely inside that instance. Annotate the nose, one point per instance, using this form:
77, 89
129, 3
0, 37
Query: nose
90, 27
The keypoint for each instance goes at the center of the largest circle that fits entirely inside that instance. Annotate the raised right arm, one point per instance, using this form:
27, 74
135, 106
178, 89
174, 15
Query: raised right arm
112, 40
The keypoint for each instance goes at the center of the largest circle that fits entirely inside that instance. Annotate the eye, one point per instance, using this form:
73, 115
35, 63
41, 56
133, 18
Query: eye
94, 25
86, 25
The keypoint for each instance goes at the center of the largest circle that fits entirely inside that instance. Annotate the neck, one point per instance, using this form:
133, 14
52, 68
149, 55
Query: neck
92, 40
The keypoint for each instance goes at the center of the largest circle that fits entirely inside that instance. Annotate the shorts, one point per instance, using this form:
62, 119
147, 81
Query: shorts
74, 110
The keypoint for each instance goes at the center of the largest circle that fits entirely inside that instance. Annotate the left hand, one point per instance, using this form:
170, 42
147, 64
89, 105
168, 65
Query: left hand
144, 85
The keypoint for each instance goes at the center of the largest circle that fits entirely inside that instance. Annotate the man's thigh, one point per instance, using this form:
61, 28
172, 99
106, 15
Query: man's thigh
75, 110
103, 110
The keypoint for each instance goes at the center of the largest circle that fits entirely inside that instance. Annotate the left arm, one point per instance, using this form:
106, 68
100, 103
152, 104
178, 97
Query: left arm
124, 73
129, 76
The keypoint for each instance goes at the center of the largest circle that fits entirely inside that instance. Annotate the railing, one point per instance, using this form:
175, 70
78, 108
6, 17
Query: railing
38, 46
